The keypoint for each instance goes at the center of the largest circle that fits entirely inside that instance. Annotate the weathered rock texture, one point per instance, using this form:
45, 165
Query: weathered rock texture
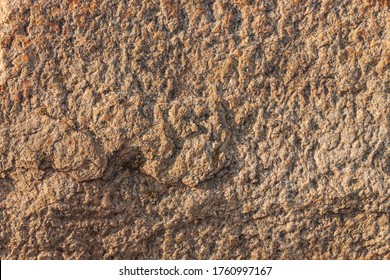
196, 129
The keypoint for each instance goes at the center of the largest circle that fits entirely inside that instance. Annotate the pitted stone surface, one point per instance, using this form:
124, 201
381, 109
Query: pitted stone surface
215, 129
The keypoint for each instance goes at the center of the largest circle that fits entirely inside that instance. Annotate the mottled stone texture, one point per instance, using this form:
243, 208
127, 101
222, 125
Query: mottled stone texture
194, 129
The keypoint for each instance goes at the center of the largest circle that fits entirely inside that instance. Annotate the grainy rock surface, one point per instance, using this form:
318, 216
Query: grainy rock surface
202, 129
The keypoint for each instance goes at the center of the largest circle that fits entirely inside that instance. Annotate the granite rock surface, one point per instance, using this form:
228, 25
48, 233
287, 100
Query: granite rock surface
194, 129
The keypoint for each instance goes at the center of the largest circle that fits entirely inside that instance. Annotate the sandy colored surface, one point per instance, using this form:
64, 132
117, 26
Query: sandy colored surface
240, 129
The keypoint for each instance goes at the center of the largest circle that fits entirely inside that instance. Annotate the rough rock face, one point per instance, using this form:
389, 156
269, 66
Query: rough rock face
180, 129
